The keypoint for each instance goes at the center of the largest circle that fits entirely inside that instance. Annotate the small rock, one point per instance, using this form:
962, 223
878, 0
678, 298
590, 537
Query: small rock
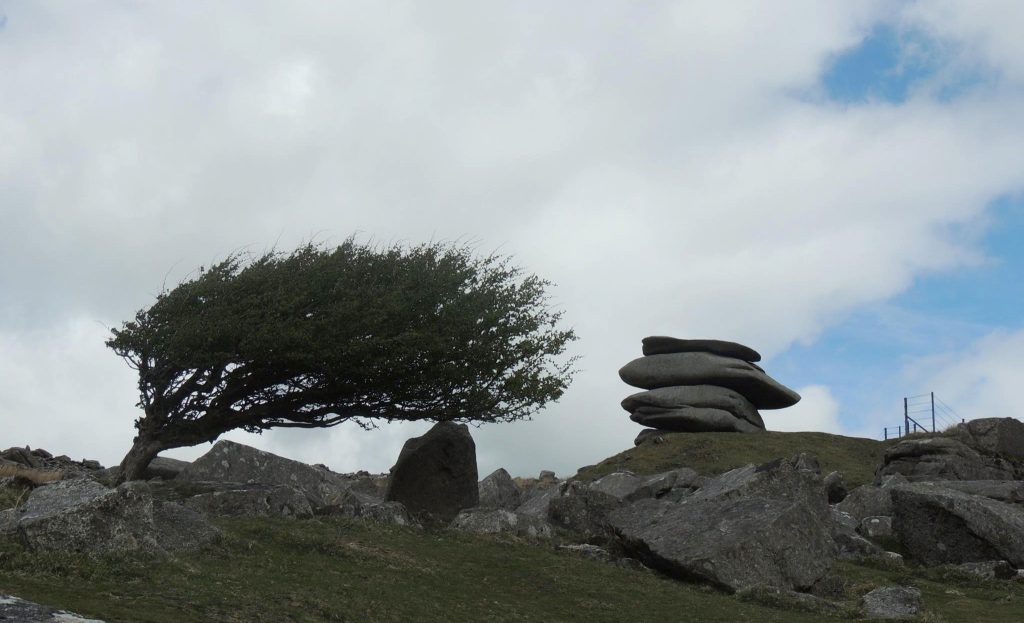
587, 550
892, 602
252, 500
876, 527
500, 521
992, 569
499, 491
652, 435
17, 610
835, 487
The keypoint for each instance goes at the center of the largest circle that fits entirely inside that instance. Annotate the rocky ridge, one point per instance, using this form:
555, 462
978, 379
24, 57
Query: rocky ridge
778, 525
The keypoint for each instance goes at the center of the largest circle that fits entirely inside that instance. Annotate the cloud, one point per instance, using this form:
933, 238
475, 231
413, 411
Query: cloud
674, 168
817, 411
981, 381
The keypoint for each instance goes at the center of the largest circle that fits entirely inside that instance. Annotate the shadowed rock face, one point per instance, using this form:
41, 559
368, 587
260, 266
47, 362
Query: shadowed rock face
767, 524
660, 345
938, 525
697, 368
435, 476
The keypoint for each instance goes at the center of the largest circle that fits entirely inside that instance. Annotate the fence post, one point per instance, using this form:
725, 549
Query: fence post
906, 417
933, 412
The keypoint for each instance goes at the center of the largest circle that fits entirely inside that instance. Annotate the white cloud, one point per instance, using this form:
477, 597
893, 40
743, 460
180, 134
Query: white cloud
663, 164
980, 382
817, 411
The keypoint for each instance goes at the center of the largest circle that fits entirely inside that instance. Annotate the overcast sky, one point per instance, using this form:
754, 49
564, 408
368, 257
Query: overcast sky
836, 184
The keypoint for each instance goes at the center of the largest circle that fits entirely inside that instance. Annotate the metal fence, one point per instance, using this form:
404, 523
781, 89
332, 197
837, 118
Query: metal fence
923, 413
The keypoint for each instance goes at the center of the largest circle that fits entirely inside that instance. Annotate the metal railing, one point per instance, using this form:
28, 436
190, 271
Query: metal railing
927, 408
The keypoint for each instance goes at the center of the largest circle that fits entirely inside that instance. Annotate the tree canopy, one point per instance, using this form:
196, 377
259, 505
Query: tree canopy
319, 336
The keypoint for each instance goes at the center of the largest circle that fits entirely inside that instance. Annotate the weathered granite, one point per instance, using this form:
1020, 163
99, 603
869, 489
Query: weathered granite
674, 369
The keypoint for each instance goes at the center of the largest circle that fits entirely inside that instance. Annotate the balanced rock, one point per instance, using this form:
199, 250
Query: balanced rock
693, 420
687, 396
667, 370
661, 345
435, 475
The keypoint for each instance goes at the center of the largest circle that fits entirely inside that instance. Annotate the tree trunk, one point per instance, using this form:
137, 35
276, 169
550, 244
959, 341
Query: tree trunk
134, 464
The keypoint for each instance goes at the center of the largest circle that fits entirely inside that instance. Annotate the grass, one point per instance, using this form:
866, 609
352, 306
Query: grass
714, 453
35, 476
24, 479
344, 570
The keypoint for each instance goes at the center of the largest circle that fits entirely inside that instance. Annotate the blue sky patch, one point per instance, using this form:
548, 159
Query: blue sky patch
885, 66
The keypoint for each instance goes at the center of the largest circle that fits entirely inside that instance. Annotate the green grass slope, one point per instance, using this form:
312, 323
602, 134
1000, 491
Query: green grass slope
274, 570
714, 453
338, 570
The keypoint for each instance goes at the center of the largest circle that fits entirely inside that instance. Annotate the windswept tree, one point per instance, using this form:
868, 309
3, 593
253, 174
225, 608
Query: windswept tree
321, 336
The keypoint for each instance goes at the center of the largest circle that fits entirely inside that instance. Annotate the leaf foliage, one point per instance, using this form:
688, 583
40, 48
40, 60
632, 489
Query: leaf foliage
321, 335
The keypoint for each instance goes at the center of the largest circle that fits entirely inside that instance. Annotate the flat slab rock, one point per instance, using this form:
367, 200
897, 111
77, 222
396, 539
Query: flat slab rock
17, 610
661, 344
675, 369
693, 420
688, 396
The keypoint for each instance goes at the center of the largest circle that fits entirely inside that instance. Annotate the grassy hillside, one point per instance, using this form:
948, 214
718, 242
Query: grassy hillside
713, 453
337, 570
340, 570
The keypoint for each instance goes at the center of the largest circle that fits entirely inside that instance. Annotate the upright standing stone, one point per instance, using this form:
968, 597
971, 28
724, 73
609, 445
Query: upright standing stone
435, 476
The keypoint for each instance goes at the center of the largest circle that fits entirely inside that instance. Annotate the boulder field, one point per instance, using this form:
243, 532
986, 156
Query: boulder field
779, 525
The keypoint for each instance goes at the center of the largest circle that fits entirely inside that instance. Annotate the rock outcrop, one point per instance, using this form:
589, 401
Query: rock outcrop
228, 461
500, 521
757, 525
942, 458
435, 475
17, 610
700, 386
85, 516
498, 490
938, 525
252, 500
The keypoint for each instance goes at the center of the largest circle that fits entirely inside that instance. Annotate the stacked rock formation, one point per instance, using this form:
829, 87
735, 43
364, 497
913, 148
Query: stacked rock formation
701, 386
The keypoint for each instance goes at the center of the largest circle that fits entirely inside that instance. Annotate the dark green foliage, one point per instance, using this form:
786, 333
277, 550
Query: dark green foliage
320, 336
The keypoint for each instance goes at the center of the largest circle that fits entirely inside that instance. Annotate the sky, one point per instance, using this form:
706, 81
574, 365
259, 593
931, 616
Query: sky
835, 184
